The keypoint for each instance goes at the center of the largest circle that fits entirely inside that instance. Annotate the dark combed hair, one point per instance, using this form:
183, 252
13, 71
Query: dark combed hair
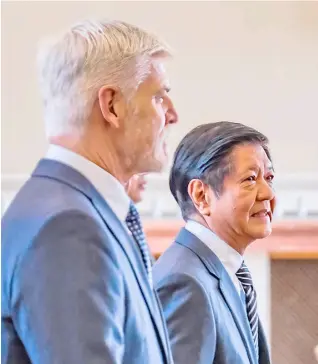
204, 154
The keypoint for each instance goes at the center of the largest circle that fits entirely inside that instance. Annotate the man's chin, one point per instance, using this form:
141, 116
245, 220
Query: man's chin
160, 162
152, 166
153, 163
262, 233
158, 166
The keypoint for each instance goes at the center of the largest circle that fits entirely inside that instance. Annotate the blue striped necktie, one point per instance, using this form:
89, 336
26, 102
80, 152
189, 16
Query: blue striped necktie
244, 276
134, 225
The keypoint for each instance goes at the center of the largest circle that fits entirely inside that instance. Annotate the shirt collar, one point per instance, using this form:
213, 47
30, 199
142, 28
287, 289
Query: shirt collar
228, 256
108, 186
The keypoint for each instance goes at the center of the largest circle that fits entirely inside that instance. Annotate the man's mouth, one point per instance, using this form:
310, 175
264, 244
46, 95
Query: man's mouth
263, 214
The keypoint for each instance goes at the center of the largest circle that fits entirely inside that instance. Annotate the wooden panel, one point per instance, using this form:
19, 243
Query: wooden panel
294, 311
289, 239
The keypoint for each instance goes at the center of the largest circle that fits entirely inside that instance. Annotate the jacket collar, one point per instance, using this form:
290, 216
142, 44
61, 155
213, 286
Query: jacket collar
64, 174
226, 287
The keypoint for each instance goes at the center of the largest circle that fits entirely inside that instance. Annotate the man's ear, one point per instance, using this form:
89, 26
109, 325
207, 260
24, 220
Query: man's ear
109, 98
198, 193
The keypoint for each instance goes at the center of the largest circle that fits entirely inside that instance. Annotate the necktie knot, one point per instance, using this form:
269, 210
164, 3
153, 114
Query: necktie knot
244, 276
132, 215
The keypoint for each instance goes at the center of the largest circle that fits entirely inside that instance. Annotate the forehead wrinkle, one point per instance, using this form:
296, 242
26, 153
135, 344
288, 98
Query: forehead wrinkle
250, 162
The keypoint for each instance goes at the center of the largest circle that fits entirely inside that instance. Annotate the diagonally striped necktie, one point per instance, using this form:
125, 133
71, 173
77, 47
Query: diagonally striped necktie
244, 276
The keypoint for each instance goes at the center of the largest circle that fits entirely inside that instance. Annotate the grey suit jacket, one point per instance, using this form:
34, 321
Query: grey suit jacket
74, 287
206, 318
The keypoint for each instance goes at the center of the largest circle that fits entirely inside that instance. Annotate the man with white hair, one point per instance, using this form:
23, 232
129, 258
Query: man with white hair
76, 277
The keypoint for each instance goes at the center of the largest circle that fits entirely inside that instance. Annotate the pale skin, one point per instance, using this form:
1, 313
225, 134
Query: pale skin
243, 212
316, 353
127, 138
135, 187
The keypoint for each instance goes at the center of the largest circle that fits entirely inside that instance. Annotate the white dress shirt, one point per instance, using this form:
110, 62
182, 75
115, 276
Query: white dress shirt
108, 186
228, 256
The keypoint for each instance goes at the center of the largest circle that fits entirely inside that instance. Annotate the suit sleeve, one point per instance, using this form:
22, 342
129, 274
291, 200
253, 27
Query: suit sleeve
189, 318
67, 295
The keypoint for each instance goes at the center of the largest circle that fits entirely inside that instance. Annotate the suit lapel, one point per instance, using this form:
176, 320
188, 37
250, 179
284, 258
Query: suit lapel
132, 253
164, 329
226, 287
67, 175
237, 309
264, 357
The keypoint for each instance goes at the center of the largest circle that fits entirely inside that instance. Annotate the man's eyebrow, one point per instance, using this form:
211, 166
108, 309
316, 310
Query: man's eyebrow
255, 167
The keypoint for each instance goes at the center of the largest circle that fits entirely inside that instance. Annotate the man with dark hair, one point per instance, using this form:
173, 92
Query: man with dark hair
222, 180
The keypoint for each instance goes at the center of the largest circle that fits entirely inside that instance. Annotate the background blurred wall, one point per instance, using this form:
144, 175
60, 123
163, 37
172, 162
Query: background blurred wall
254, 62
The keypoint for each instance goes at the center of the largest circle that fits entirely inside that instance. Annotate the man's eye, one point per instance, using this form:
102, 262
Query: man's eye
251, 178
270, 178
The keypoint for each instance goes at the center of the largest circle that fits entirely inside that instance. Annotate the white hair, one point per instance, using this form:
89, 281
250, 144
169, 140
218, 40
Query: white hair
89, 55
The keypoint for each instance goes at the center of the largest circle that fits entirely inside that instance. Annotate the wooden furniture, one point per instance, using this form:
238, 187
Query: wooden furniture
289, 239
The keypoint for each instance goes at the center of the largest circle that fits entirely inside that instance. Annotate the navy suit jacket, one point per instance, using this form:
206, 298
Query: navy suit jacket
74, 286
206, 317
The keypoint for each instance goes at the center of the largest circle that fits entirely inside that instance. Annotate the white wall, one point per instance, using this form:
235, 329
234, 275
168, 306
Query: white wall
254, 62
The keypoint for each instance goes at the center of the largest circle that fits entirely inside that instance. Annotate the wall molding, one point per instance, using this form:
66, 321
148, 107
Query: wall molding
297, 196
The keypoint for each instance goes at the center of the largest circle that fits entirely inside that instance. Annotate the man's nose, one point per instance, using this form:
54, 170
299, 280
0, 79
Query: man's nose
266, 191
171, 114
